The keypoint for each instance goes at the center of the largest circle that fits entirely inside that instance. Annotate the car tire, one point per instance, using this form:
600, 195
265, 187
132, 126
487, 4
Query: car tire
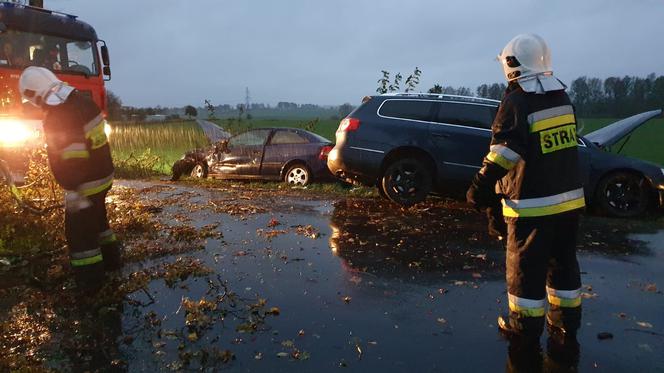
623, 195
298, 175
200, 170
407, 181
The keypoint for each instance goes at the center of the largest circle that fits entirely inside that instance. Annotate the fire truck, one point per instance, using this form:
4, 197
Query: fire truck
31, 35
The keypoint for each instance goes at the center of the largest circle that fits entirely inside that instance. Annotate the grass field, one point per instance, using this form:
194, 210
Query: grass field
155, 146
323, 127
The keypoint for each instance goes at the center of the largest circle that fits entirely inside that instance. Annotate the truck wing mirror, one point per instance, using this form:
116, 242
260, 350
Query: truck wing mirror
105, 58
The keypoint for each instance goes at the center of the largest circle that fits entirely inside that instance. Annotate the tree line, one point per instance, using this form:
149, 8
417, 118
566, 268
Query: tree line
592, 97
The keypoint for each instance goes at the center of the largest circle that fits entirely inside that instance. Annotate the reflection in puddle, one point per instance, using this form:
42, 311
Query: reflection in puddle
375, 237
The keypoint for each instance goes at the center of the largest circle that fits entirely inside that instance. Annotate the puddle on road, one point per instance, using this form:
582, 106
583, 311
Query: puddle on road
358, 283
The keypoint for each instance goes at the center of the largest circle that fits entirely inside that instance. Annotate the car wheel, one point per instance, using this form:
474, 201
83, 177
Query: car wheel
298, 174
200, 170
622, 194
407, 181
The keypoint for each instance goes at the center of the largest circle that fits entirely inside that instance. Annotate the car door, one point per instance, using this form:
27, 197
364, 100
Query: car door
244, 154
462, 133
284, 145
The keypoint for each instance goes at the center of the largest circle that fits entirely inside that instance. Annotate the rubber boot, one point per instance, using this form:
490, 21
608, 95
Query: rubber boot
525, 329
89, 278
112, 254
563, 322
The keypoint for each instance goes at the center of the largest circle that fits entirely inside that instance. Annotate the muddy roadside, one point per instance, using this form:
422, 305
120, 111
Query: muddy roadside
221, 276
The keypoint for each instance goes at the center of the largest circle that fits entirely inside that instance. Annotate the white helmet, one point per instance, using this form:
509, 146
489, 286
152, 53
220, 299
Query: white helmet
525, 55
40, 86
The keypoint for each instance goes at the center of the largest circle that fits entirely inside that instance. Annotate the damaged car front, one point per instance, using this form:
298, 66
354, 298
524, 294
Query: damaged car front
619, 185
195, 162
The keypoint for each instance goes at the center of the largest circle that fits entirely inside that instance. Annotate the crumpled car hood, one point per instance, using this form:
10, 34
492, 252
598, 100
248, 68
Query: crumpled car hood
614, 132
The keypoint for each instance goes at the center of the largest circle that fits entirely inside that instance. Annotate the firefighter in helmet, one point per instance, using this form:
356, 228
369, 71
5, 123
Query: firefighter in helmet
80, 159
532, 171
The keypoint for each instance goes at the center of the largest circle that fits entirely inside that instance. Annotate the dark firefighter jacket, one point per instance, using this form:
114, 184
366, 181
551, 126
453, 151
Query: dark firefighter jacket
77, 146
535, 141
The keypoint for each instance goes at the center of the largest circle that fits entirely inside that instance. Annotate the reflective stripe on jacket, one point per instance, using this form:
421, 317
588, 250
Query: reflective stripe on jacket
535, 141
78, 150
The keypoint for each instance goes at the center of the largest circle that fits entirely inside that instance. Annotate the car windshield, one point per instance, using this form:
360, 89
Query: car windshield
20, 49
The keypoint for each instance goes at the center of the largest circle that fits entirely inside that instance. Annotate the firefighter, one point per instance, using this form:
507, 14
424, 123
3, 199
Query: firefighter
532, 171
80, 160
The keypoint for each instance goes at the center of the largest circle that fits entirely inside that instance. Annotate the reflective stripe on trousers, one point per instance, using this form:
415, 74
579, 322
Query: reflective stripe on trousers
84, 258
526, 307
551, 205
107, 237
564, 298
96, 186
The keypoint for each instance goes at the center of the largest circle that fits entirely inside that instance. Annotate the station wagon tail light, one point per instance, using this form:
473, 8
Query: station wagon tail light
324, 151
349, 124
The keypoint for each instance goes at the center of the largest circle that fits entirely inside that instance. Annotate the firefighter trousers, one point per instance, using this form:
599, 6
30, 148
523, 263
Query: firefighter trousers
92, 244
541, 266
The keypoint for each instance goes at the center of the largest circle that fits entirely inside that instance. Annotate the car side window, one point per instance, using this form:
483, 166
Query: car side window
250, 138
471, 115
407, 109
287, 137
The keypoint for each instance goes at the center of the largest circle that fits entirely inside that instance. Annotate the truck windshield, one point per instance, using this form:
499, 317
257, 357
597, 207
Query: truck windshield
20, 49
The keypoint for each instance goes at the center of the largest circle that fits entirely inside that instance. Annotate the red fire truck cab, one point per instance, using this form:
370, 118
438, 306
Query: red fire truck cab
33, 36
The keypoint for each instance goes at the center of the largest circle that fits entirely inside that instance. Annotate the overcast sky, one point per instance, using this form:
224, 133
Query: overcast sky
174, 53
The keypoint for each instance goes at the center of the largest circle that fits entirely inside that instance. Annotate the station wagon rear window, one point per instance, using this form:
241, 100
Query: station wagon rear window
407, 109
470, 115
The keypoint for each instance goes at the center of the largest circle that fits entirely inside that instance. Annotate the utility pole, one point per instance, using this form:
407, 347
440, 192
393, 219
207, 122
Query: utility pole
247, 100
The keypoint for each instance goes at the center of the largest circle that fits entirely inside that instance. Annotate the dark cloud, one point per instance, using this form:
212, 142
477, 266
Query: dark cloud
329, 52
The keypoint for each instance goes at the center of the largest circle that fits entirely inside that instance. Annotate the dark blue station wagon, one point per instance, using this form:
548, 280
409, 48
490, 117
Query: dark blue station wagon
409, 145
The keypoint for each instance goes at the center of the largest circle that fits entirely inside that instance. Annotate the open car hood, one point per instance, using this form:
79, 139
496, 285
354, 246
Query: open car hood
614, 132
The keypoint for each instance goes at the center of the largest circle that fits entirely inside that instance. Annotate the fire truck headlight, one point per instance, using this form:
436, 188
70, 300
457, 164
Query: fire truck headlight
107, 129
14, 133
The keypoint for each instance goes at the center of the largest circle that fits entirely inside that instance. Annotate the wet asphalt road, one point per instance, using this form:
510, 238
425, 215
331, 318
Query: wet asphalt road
381, 289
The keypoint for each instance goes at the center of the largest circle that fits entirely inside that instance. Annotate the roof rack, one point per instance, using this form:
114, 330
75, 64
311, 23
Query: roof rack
5, 4
444, 97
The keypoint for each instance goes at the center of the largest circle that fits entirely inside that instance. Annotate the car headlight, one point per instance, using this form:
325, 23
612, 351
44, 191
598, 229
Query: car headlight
15, 133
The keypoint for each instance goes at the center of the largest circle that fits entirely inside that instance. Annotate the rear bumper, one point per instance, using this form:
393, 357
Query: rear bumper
355, 165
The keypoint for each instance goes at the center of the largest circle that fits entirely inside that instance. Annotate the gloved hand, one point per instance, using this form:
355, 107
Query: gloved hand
75, 202
497, 226
482, 191
482, 194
